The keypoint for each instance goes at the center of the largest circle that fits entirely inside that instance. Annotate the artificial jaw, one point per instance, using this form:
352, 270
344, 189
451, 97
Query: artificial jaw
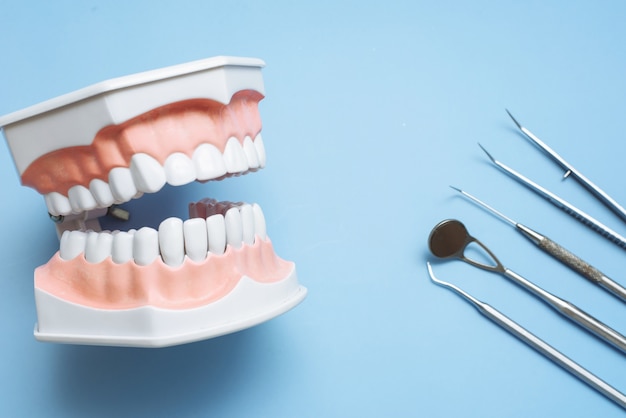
213, 273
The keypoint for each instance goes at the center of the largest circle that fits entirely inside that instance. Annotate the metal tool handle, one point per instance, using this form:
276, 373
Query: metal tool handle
552, 353
572, 312
582, 267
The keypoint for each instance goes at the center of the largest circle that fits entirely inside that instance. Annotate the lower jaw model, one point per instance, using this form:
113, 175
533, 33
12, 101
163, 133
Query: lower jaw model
98, 147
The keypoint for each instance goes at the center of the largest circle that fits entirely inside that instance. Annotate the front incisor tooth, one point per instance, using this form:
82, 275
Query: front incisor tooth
216, 231
196, 243
72, 244
260, 150
98, 246
58, 204
81, 199
247, 224
145, 246
208, 162
171, 241
147, 173
234, 157
251, 154
122, 248
101, 192
259, 221
179, 169
234, 229
122, 184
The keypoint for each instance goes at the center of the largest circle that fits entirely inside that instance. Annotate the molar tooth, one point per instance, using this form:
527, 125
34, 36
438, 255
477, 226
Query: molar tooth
251, 154
260, 150
81, 199
72, 244
196, 244
147, 173
260, 228
171, 241
58, 204
122, 247
98, 246
208, 162
247, 223
179, 169
122, 184
234, 157
216, 230
234, 228
145, 246
101, 192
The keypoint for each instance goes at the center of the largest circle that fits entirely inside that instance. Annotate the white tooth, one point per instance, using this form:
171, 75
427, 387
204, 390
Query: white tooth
234, 230
122, 248
234, 157
122, 185
260, 150
259, 221
81, 199
101, 192
216, 230
172, 242
147, 173
98, 246
72, 244
251, 154
247, 223
196, 244
179, 169
208, 162
58, 204
145, 246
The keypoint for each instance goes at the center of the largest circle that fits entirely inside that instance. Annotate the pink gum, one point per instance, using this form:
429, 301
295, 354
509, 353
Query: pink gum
176, 127
107, 285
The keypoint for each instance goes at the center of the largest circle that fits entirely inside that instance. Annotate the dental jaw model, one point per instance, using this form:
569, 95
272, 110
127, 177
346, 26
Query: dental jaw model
107, 144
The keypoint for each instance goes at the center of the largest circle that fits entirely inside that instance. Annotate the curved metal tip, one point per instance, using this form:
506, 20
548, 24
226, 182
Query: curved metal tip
487, 152
514, 120
432, 274
457, 189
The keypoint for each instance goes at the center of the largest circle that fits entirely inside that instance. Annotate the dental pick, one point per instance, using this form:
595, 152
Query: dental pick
536, 343
562, 204
555, 250
571, 171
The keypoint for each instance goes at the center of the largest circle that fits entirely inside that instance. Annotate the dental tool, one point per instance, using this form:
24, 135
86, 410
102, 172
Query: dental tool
562, 204
449, 238
555, 250
600, 194
536, 343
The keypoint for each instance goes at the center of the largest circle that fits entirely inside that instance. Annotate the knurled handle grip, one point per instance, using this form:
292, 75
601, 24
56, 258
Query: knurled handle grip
571, 260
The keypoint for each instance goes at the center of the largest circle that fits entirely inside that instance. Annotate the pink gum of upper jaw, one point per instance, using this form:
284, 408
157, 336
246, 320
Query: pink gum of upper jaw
177, 127
107, 285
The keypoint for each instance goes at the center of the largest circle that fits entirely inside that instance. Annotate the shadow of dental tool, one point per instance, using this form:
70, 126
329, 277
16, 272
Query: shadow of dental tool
600, 194
555, 250
450, 238
536, 343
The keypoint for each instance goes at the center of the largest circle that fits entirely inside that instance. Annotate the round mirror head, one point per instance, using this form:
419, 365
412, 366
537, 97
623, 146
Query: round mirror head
448, 239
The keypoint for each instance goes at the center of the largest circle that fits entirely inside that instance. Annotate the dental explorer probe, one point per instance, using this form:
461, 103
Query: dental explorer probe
536, 343
600, 194
562, 204
555, 250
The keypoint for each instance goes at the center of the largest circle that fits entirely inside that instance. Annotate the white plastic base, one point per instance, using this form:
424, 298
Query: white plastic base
250, 303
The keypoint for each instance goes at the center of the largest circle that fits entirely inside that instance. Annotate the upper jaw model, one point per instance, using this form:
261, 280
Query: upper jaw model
101, 146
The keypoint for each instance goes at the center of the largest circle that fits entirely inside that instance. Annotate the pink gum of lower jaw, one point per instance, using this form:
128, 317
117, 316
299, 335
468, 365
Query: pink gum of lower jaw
107, 285
177, 127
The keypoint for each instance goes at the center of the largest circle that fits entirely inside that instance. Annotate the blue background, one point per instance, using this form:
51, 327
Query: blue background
372, 110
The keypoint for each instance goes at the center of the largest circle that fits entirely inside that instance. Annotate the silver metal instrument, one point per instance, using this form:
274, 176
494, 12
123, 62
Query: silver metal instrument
571, 171
449, 238
570, 209
537, 343
555, 250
